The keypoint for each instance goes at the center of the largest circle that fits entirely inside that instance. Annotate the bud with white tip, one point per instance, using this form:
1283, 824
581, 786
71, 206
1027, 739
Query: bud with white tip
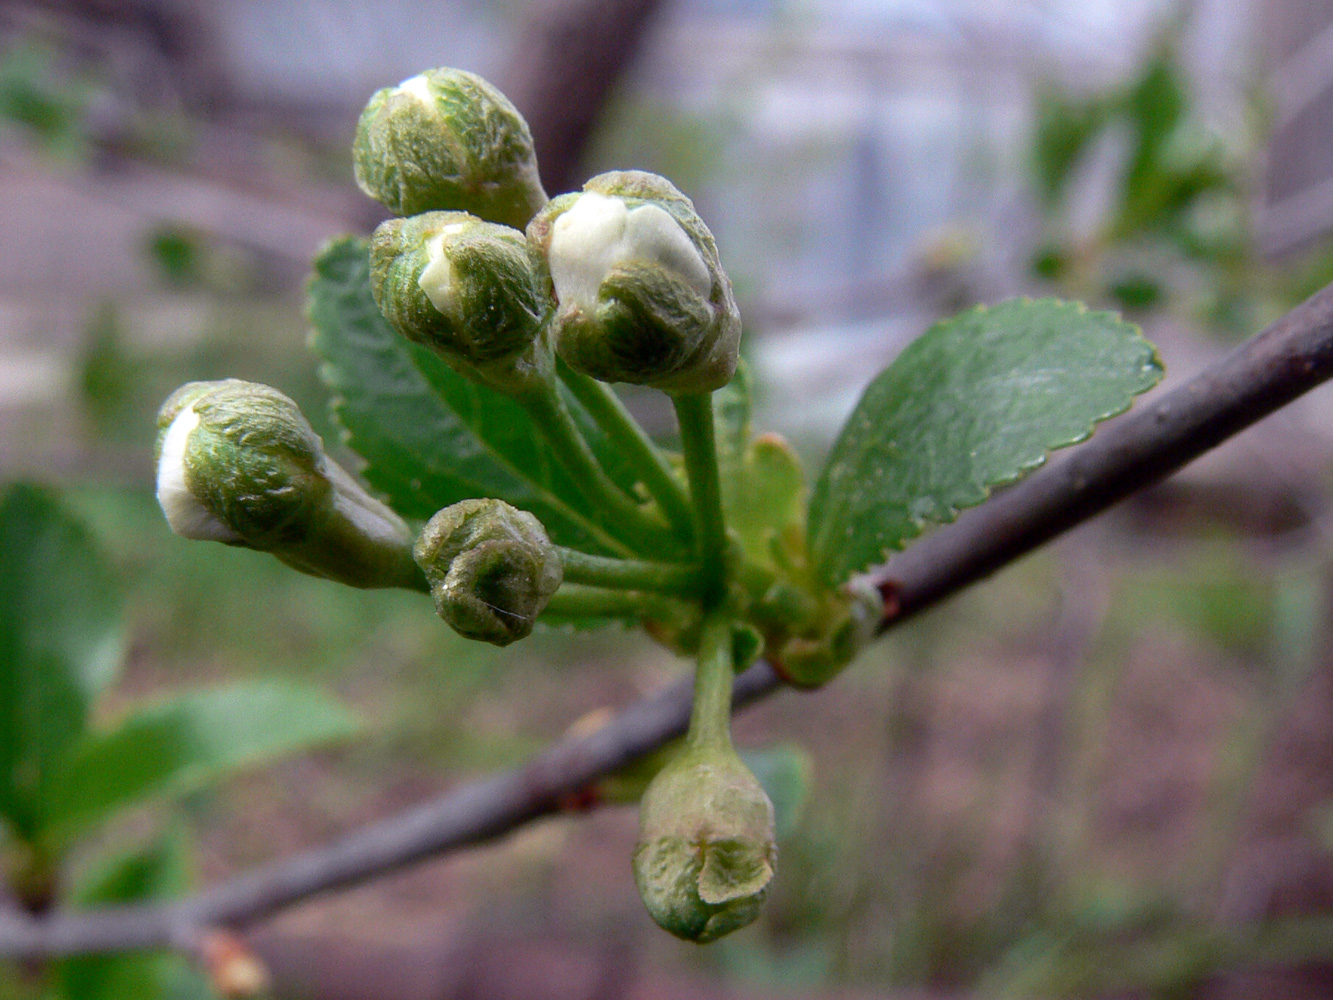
238, 463
641, 295
467, 289
447, 139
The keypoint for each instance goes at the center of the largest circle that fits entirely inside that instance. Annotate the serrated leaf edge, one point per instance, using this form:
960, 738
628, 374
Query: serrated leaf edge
988, 488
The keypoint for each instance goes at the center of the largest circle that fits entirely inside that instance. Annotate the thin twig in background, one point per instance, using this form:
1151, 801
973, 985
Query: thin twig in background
1287, 359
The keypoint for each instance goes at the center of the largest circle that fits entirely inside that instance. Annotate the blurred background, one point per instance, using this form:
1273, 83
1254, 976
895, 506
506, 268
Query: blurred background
1107, 772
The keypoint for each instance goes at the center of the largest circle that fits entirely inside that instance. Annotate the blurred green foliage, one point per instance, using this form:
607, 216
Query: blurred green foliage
66, 773
1174, 225
45, 98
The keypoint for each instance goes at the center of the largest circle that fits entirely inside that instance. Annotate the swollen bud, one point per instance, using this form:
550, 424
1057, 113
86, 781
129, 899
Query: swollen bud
447, 139
707, 847
491, 569
469, 290
238, 463
641, 294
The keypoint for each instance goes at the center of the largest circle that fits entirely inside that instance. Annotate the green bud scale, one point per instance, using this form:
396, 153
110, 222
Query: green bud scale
446, 139
641, 295
491, 569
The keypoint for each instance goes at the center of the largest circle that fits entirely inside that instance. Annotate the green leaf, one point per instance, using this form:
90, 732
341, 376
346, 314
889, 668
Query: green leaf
763, 486
186, 743
976, 402
785, 770
1064, 130
61, 636
429, 436
731, 423
160, 871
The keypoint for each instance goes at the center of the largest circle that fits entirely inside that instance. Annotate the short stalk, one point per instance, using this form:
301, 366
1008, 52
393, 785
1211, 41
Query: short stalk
371, 542
695, 415
630, 574
625, 518
574, 600
647, 459
710, 719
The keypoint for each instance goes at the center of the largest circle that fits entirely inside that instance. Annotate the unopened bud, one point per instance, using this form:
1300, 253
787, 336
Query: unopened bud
849, 622
448, 140
707, 847
641, 294
237, 462
491, 569
467, 289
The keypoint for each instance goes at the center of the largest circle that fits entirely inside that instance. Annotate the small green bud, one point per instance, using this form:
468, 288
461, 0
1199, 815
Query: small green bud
850, 622
641, 294
491, 569
446, 139
707, 849
469, 290
238, 463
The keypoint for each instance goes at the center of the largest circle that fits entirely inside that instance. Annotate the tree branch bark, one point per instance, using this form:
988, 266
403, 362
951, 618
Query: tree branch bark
1287, 359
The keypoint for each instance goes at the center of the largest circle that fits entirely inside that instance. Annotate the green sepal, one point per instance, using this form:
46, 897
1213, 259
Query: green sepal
647, 321
253, 461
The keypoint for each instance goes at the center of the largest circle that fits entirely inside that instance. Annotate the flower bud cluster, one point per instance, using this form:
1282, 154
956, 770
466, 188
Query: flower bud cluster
622, 281
631, 273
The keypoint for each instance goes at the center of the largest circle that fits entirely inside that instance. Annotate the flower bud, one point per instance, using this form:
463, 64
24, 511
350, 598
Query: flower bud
238, 463
447, 139
491, 569
469, 290
641, 294
849, 622
707, 848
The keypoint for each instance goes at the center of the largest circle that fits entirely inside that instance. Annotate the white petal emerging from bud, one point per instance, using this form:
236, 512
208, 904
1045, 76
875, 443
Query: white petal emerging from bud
599, 233
419, 87
186, 515
438, 279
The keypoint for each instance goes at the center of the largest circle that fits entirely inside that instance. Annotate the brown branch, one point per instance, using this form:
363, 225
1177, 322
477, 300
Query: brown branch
571, 56
1290, 357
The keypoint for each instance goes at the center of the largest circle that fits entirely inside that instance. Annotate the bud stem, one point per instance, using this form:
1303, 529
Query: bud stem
624, 517
575, 600
605, 407
630, 574
360, 541
694, 412
710, 719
